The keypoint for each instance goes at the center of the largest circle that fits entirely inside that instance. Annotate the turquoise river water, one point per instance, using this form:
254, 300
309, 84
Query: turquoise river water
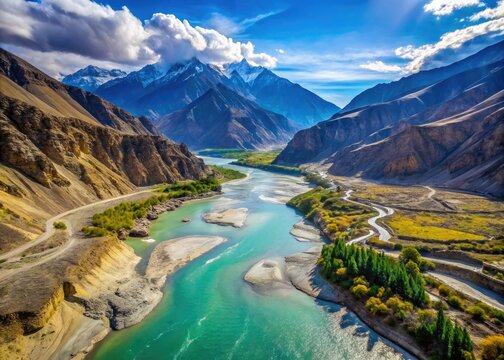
209, 311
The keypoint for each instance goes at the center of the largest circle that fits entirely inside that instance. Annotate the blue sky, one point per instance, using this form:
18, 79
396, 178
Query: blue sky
334, 48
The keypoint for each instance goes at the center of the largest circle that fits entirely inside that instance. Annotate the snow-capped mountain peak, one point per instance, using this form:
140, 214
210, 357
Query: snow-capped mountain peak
247, 72
91, 77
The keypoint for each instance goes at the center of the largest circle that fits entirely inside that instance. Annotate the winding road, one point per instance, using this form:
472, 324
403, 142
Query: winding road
473, 290
15, 254
383, 211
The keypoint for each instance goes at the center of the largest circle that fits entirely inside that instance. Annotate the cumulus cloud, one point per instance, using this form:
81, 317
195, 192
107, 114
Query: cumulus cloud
450, 40
280, 51
446, 7
490, 13
380, 66
92, 30
79, 26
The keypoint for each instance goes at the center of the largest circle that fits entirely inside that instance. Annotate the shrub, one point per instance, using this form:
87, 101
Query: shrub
93, 231
426, 265
444, 290
376, 307
359, 291
455, 301
341, 273
477, 312
410, 254
360, 280
412, 268
492, 347
60, 225
401, 309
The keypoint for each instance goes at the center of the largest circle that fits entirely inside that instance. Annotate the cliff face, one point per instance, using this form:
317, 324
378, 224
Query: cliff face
64, 146
442, 134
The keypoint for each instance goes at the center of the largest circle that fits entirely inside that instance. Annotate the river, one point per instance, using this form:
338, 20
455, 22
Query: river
209, 312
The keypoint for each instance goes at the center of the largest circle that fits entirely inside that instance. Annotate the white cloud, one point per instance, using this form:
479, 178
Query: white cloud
280, 51
91, 30
446, 7
450, 40
380, 66
490, 13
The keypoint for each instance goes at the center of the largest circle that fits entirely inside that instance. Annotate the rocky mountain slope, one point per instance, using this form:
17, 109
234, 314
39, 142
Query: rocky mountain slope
223, 119
444, 133
63, 147
153, 92
282, 96
386, 92
91, 77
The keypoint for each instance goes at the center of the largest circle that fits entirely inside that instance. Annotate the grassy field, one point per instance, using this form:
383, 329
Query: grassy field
341, 218
446, 226
223, 174
257, 159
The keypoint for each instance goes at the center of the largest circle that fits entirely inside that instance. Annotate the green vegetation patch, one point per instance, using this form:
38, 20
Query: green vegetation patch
223, 174
192, 187
121, 216
60, 225
318, 180
341, 218
251, 158
395, 290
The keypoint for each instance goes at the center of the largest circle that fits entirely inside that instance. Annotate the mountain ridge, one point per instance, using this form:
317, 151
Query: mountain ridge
159, 93
403, 140
221, 118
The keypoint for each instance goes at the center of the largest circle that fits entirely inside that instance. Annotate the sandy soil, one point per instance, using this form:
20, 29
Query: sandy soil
229, 217
170, 255
269, 273
305, 231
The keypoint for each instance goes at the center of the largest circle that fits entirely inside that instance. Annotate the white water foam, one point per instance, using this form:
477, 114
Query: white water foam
228, 250
270, 199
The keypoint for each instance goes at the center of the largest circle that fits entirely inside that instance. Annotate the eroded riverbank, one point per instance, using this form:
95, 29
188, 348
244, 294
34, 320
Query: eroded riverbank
207, 308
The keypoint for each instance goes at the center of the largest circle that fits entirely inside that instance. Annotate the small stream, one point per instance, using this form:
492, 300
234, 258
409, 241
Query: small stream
209, 312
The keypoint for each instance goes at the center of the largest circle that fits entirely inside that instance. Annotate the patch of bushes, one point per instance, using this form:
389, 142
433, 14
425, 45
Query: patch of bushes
60, 225
456, 302
318, 180
492, 347
342, 219
223, 174
189, 188
93, 231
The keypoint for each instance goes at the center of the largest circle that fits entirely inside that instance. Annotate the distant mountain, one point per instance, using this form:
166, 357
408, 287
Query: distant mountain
221, 118
386, 92
446, 133
91, 77
282, 96
153, 92
124, 91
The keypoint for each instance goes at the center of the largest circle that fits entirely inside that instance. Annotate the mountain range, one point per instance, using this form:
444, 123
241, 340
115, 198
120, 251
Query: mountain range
443, 127
221, 118
62, 147
154, 92
91, 77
